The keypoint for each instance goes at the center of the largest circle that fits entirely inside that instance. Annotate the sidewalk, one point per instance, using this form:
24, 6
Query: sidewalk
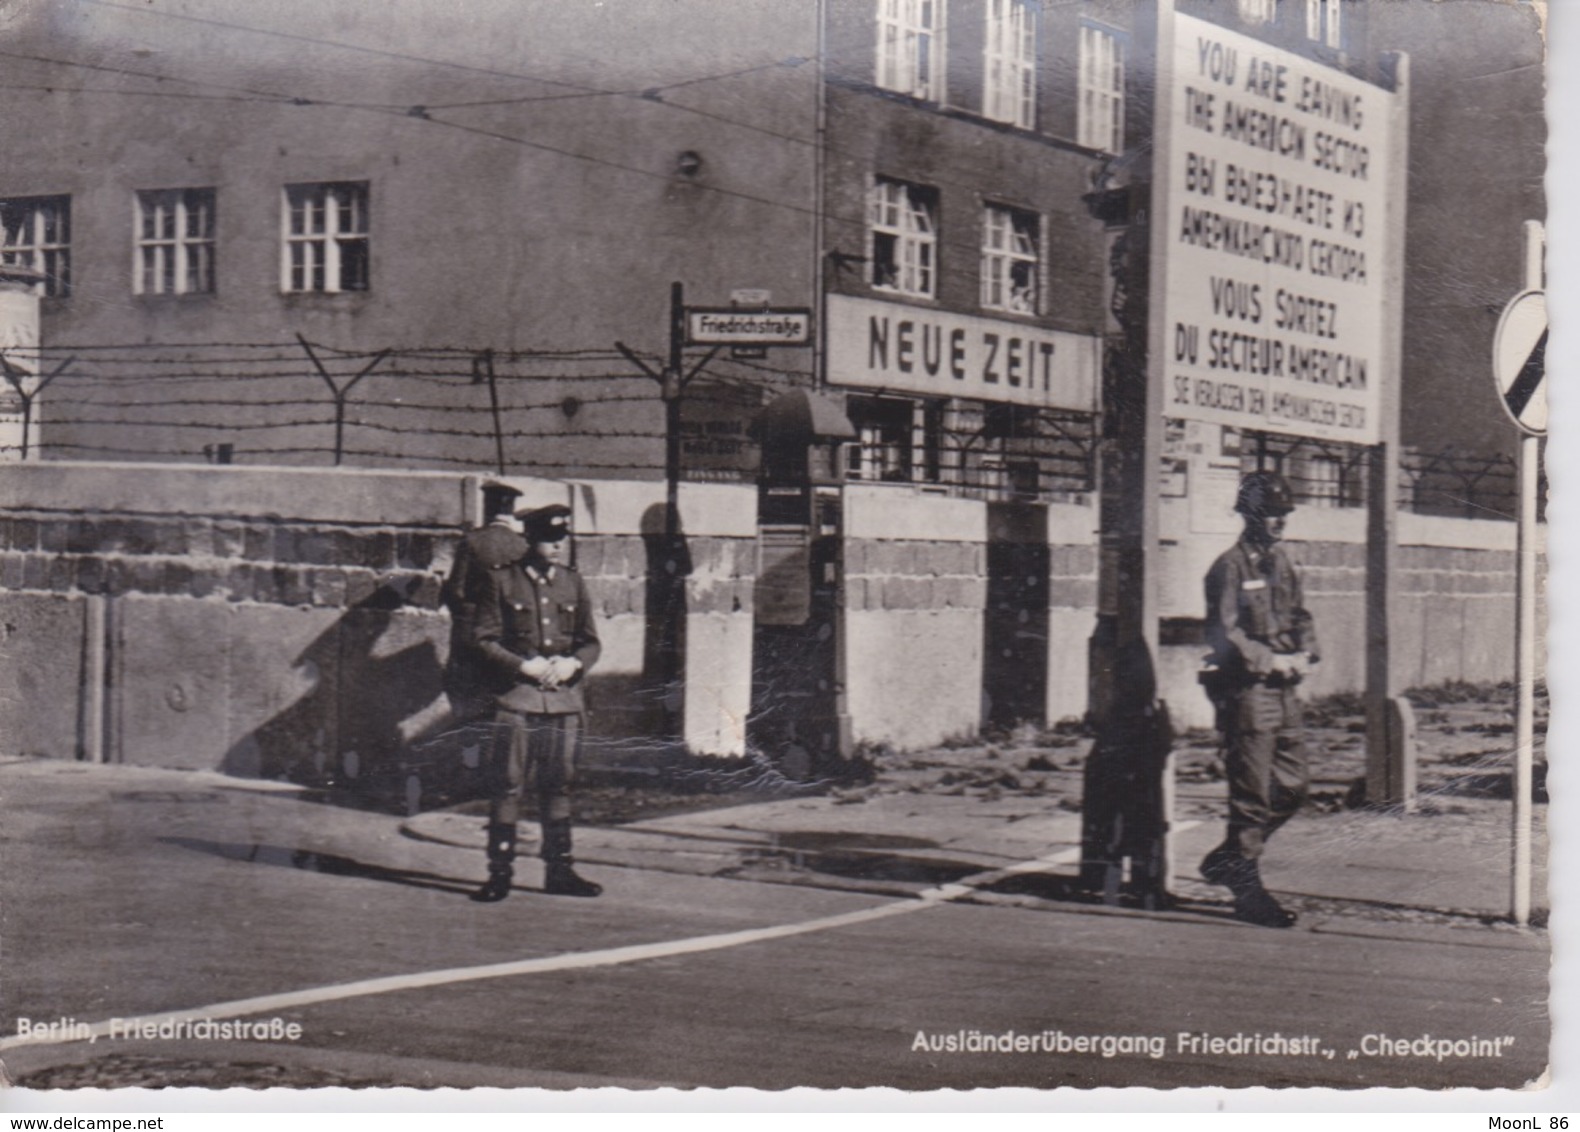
1448, 862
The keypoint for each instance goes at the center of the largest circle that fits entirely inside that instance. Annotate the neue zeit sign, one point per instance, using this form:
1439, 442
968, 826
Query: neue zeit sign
936, 353
1273, 202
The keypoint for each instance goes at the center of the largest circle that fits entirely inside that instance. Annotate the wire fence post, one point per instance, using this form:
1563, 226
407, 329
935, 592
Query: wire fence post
339, 393
483, 366
16, 377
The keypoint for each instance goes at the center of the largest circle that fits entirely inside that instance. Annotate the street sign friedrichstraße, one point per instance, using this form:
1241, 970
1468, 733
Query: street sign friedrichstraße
1519, 361
731, 326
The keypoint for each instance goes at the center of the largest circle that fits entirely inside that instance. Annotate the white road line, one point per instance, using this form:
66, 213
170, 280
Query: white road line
573, 961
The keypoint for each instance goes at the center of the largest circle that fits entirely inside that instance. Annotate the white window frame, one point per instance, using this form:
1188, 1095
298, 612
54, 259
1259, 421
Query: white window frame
884, 450
1009, 70
1324, 481
905, 216
1101, 113
1258, 11
1011, 238
173, 245
910, 48
324, 238
36, 232
1324, 22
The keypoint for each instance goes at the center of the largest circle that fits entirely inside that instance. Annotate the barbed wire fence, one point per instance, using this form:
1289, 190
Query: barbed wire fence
568, 412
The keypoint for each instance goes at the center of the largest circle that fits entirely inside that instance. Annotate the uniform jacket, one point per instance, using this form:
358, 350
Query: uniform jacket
480, 553
524, 614
1256, 611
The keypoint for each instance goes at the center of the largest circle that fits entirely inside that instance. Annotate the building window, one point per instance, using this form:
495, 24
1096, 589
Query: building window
904, 238
1257, 11
1011, 64
1323, 23
1009, 260
326, 237
883, 447
1324, 481
910, 47
1102, 82
37, 234
175, 242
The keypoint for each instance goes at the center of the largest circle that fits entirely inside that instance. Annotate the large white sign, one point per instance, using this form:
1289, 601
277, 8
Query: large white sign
1273, 201
937, 353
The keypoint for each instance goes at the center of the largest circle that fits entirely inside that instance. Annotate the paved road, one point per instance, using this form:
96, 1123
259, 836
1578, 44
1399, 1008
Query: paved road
130, 892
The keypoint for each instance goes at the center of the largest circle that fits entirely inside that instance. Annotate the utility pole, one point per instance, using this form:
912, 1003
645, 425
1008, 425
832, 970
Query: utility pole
1129, 783
1525, 632
1390, 724
668, 586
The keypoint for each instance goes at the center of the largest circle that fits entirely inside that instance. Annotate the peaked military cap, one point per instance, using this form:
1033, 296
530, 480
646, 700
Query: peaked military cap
499, 497
546, 524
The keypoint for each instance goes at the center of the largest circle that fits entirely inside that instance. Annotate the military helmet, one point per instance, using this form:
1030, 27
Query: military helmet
1264, 493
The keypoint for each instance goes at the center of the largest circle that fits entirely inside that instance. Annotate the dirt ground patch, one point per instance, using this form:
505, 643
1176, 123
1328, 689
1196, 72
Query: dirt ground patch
1464, 741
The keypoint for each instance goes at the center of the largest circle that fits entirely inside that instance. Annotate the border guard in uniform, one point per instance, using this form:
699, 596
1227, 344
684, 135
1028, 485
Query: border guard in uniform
534, 628
468, 681
1263, 644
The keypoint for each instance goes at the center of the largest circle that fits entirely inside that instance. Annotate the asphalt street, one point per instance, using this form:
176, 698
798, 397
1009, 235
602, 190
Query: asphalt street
130, 892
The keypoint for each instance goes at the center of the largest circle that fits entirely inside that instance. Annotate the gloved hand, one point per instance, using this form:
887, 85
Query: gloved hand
1293, 667
562, 669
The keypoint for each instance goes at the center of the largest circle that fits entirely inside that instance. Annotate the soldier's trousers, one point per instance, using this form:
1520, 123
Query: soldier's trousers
1265, 763
542, 748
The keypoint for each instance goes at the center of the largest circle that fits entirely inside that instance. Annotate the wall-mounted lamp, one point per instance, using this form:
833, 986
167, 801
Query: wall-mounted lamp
689, 163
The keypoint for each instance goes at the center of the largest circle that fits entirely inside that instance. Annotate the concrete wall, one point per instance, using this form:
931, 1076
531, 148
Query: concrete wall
914, 593
920, 628
619, 549
286, 622
916, 610
1455, 620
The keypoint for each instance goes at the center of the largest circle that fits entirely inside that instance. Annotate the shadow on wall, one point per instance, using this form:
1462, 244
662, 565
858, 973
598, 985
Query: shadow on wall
373, 724
1015, 622
375, 727
661, 692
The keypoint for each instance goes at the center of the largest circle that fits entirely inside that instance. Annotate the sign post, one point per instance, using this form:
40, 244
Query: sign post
1277, 220
1519, 367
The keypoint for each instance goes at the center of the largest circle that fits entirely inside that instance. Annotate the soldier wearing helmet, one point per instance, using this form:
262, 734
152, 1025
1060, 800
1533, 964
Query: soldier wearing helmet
1263, 643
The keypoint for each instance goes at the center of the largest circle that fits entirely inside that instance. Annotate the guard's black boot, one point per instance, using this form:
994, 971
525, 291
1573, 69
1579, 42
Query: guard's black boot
1261, 909
559, 878
1253, 904
501, 858
1218, 867
496, 887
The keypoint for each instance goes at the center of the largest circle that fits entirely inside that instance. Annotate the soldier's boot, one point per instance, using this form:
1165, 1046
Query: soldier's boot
1218, 866
501, 863
1253, 904
559, 874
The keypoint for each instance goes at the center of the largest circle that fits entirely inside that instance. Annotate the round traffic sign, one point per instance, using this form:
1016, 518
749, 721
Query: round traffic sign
1519, 352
